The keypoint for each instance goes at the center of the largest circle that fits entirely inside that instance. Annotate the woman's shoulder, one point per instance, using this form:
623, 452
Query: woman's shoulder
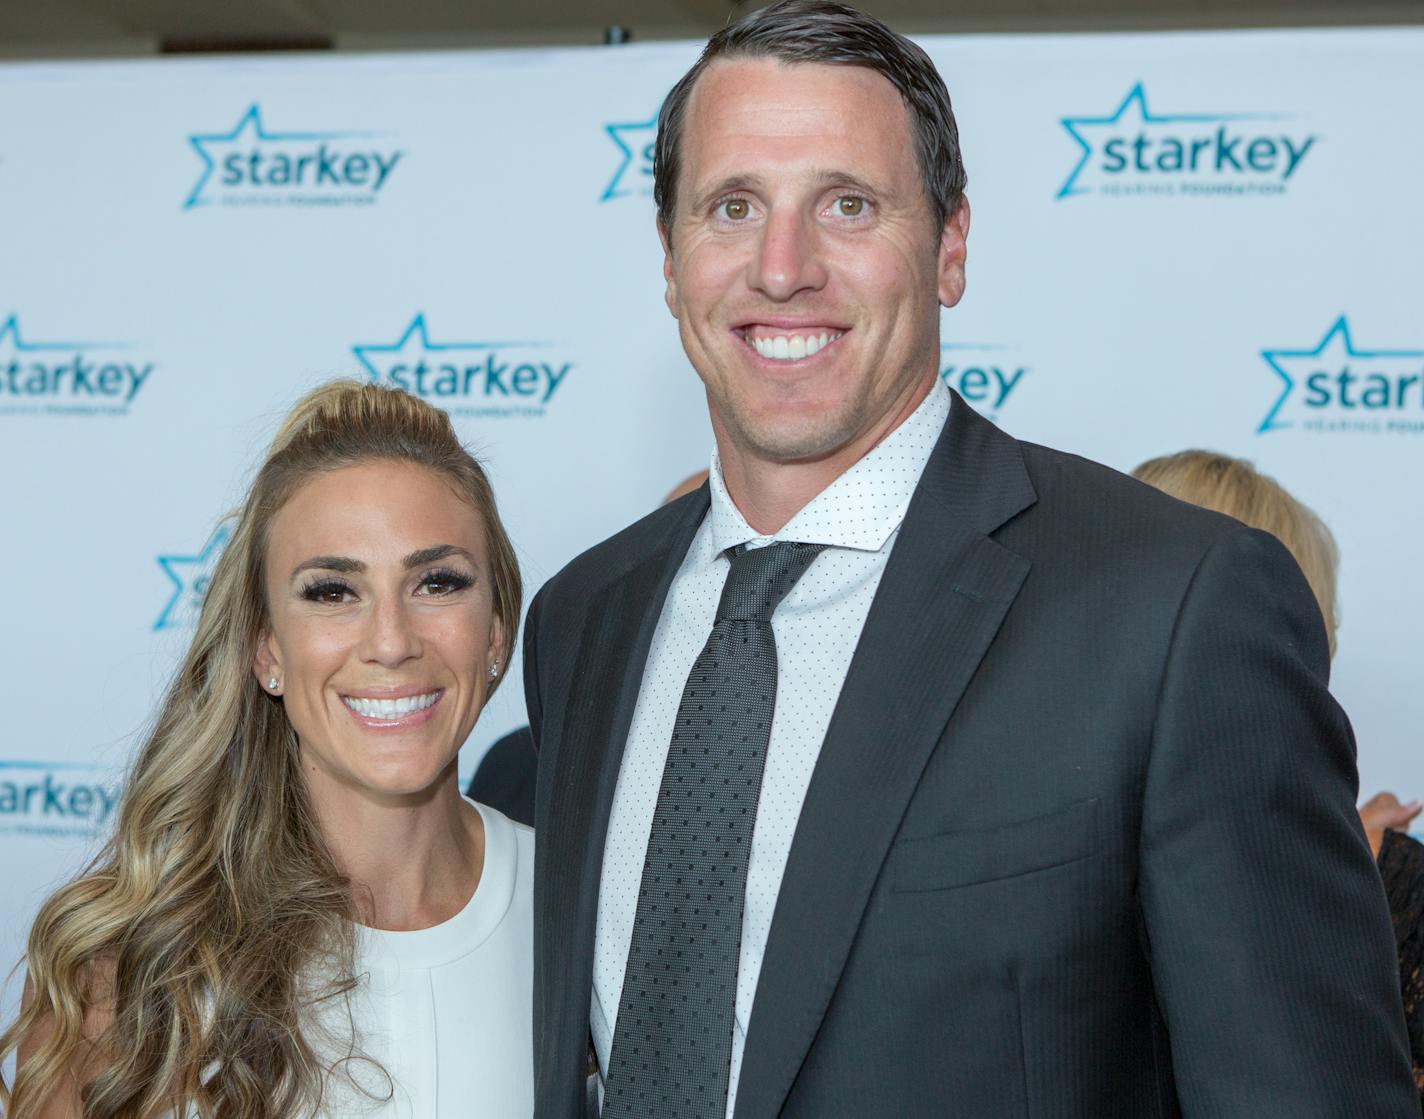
501, 829
1401, 865
509, 847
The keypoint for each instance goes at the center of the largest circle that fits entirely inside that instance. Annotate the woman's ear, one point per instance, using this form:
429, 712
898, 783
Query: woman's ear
494, 658
267, 665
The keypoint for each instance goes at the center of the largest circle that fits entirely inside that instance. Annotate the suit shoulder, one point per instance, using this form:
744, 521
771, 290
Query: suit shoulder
1100, 537
1118, 506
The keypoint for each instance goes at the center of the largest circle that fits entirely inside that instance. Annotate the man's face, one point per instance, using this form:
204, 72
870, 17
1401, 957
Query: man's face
803, 265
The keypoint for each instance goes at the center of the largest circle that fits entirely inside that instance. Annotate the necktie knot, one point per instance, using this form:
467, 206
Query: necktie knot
761, 577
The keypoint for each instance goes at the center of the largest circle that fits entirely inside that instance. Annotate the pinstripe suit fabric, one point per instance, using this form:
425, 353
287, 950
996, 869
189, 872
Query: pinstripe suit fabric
1081, 840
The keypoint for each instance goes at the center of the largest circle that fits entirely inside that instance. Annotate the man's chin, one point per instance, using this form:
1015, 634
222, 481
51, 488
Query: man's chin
789, 442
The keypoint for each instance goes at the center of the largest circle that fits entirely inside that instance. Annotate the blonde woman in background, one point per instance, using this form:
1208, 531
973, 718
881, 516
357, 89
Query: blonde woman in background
1234, 487
298, 914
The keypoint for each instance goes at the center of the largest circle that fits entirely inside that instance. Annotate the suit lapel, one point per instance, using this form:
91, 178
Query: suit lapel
944, 594
610, 657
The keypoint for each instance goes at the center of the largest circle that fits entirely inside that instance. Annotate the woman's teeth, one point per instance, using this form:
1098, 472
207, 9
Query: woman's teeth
390, 708
793, 347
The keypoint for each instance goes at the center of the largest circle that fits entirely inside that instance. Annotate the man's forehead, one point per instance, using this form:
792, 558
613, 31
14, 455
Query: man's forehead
774, 86
758, 98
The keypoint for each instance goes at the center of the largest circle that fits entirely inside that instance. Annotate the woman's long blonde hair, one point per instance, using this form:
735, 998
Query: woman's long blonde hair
217, 899
1234, 487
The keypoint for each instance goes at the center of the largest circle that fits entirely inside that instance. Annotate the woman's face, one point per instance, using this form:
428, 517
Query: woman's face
382, 627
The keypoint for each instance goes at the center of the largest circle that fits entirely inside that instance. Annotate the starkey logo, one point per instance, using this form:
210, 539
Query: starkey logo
68, 378
52, 798
985, 375
189, 575
484, 379
1135, 151
253, 165
634, 173
1340, 386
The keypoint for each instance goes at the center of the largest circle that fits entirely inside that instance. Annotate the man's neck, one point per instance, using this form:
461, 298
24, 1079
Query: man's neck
769, 493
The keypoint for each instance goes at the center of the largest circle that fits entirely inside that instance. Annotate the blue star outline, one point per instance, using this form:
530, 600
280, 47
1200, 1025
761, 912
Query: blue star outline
11, 329
1340, 327
629, 152
170, 564
253, 119
1138, 95
418, 329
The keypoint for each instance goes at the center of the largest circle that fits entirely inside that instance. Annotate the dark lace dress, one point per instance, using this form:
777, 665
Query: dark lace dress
1401, 864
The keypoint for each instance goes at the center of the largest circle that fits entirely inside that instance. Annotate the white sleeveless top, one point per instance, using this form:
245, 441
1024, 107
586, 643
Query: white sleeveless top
447, 1011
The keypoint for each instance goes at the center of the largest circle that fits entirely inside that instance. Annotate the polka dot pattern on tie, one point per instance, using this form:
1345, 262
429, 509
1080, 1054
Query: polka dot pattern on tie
671, 1052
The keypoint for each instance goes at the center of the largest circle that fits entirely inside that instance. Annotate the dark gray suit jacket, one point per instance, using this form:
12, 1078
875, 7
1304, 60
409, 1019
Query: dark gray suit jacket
1081, 841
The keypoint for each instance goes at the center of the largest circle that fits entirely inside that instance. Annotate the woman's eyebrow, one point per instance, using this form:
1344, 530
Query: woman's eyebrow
437, 552
344, 564
348, 566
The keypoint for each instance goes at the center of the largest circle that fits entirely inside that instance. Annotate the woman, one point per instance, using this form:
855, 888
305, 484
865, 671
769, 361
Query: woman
1234, 487
296, 895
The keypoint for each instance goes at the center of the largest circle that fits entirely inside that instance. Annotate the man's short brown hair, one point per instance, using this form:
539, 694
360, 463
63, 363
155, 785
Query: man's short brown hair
821, 31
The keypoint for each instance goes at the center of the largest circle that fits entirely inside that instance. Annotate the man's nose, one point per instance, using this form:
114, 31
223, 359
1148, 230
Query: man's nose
788, 257
391, 637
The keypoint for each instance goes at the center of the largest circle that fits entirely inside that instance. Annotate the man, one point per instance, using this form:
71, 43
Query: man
906, 769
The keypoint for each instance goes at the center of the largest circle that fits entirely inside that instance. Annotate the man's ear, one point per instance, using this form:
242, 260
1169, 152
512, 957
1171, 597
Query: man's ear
267, 664
953, 248
669, 272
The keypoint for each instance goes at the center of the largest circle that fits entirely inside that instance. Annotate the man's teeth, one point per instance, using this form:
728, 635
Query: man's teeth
793, 347
390, 708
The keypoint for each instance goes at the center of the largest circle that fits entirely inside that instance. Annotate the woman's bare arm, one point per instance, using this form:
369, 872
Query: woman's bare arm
63, 1100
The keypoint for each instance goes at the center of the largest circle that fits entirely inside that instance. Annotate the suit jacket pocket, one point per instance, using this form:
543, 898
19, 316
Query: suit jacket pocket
962, 858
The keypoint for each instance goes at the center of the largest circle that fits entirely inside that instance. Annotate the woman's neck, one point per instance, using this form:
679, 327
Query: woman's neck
412, 863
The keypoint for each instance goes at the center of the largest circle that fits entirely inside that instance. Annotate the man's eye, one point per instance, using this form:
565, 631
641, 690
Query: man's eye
735, 209
850, 206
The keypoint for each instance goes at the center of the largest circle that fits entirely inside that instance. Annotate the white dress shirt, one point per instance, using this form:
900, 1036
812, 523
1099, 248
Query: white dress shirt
817, 627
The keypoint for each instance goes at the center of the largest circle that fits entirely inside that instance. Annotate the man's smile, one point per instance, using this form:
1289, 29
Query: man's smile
783, 343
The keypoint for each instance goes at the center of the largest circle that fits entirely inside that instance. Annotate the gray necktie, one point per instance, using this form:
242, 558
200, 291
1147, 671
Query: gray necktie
672, 1045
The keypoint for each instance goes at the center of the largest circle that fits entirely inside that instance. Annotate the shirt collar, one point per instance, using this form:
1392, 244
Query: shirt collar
864, 506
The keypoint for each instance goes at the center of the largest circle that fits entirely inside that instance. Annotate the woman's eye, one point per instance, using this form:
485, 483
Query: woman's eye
735, 209
440, 583
850, 206
328, 592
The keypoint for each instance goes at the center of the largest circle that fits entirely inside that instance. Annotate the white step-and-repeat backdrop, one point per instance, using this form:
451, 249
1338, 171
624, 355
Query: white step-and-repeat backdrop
1179, 240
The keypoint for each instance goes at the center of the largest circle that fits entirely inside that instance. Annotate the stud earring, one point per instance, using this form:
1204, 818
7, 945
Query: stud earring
494, 671
272, 683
